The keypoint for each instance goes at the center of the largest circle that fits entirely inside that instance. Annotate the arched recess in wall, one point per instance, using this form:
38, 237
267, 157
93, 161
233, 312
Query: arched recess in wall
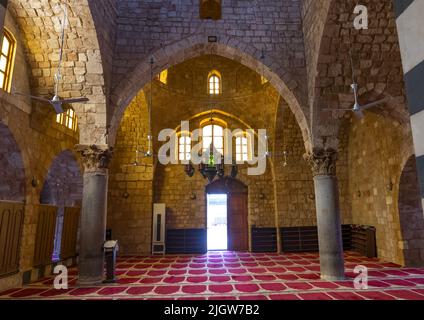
62, 189
411, 215
12, 182
63, 184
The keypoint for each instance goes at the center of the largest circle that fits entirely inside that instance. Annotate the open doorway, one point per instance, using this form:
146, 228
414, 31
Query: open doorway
217, 222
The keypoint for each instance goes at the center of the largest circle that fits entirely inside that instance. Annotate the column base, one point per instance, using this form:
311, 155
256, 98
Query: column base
89, 282
333, 278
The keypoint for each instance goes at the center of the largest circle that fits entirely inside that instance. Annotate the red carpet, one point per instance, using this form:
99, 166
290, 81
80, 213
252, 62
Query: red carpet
236, 276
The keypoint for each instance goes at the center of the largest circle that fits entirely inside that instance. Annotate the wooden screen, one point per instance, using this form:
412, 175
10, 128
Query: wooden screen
44, 240
68, 248
11, 225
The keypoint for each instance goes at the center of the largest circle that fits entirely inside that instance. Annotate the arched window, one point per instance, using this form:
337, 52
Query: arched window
213, 134
210, 9
7, 60
214, 82
242, 149
184, 147
68, 119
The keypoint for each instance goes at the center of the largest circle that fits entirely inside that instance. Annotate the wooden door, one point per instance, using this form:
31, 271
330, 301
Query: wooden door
237, 222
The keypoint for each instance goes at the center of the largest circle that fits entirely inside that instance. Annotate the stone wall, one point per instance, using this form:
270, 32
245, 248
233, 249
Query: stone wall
37, 148
294, 182
411, 215
130, 187
378, 149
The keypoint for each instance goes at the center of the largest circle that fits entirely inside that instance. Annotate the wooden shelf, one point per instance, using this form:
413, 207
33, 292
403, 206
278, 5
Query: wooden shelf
303, 239
264, 239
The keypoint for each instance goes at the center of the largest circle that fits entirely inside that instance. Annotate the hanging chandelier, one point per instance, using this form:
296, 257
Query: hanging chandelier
211, 168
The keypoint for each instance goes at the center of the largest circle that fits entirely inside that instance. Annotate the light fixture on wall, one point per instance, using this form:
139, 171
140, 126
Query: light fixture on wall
35, 182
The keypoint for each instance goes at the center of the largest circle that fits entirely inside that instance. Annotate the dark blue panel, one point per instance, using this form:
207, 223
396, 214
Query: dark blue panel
420, 169
401, 5
414, 80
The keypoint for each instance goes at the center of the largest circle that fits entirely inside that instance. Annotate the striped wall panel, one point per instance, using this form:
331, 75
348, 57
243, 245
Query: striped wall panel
410, 25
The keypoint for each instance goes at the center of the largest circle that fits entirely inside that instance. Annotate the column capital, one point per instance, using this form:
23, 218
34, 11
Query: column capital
322, 161
95, 158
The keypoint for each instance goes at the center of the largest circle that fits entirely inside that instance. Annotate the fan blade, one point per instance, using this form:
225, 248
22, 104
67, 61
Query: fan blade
337, 109
74, 100
372, 104
32, 97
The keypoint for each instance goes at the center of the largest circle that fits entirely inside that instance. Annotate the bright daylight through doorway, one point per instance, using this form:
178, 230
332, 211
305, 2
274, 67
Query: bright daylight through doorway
217, 222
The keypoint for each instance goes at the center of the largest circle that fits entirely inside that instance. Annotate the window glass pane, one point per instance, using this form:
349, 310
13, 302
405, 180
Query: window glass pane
71, 123
181, 158
207, 142
1, 80
207, 131
5, 46
218, 143
58, 118
218, 131
182, 140
188, 156
3, 63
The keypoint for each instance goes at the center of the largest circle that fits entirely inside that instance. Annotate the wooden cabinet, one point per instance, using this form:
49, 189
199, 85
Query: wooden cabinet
264, 239
356, 238
363, 241
299, 239
186, 241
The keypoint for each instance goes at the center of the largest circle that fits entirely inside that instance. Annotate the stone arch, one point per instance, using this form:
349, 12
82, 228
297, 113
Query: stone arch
62, 188
195, 46
12, 183
411, 216
226, 185
83, 68
63, 183
377, 61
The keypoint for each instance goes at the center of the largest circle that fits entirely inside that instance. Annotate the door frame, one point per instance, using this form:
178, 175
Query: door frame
228, 186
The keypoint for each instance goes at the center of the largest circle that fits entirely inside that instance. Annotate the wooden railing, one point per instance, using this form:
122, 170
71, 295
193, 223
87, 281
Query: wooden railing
11, 226
70, 233
44, 240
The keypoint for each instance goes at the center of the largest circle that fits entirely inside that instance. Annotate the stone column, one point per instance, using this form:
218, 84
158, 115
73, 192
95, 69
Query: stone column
93, 214
323, 163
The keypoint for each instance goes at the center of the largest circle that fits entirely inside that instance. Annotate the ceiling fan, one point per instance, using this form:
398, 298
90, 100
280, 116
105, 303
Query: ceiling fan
357, 108
56, 102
